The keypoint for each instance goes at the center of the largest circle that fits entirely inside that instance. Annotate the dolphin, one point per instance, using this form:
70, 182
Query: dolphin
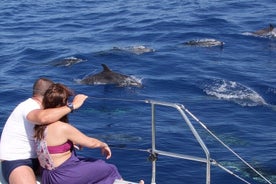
140, 49
107, 76
137, 50
269, 31
208, 42
69, 61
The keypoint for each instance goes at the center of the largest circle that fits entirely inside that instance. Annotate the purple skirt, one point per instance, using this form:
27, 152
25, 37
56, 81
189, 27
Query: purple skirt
81, 171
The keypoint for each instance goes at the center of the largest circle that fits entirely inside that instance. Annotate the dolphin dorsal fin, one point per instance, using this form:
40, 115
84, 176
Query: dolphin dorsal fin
105, 68
271, 27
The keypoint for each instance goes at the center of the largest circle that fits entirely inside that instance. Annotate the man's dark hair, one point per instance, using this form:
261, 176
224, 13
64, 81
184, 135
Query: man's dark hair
41, 85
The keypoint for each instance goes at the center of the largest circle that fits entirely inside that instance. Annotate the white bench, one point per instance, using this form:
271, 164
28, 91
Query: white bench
123, 182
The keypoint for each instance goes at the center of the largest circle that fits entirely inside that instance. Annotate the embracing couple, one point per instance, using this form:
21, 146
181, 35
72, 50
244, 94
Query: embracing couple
37, 138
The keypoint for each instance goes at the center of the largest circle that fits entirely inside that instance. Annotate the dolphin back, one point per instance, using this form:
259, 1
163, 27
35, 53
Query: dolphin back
266, 32
105, 68
107, 76
271, 27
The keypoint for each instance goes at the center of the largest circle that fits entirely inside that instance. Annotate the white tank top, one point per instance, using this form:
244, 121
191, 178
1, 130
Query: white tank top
17, 140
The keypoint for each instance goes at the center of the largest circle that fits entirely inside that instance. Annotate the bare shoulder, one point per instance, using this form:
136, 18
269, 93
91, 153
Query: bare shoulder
60, 125
57, 133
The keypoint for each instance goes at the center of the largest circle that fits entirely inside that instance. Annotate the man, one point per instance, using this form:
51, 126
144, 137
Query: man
17, 150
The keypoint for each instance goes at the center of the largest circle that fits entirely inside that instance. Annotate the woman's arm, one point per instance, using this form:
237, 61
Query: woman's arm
77, 137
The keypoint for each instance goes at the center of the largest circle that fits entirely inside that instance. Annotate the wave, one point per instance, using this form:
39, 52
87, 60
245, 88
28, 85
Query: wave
235, 92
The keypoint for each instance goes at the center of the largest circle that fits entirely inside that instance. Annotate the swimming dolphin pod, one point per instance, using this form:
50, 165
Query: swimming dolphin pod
107, 76
270, 31
207, 42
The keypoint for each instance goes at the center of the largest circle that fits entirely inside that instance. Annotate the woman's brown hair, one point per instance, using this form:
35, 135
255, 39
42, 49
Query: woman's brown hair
56, 96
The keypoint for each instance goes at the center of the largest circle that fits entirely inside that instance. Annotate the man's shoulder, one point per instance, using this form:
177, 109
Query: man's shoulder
27, 106
28, 101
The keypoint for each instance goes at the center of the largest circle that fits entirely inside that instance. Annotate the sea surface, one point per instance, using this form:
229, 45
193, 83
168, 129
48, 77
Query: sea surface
230, 88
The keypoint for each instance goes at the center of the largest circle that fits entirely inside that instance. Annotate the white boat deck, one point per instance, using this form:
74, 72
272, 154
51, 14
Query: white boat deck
123, 182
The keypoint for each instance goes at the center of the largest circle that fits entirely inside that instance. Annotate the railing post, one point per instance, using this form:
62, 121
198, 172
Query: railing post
153, 176
193, 130
200, 141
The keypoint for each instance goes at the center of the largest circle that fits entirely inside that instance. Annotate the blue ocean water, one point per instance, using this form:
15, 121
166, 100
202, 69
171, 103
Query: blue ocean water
232, 89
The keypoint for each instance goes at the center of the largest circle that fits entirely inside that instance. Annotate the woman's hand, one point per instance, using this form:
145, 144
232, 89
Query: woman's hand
106, 151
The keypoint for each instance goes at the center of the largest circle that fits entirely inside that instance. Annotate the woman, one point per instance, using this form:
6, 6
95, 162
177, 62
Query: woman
55, 148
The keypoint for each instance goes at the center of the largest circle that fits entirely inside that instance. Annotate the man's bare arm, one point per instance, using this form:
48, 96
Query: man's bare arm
46, 116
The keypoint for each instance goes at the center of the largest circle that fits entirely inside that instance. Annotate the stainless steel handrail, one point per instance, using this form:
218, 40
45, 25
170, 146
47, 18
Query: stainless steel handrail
183, 111
193, 130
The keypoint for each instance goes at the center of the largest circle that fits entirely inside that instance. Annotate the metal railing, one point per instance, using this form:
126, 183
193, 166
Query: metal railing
181, 109
154, 151
184, 112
